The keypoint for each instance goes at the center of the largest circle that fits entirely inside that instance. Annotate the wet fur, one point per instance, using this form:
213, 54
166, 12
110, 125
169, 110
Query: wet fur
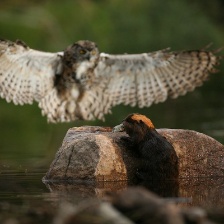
158, 157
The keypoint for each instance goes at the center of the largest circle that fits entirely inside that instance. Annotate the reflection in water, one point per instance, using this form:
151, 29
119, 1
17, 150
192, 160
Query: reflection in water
17, 187
207, 192
163, 188
192, 192
20, 187
100, 189
24, 196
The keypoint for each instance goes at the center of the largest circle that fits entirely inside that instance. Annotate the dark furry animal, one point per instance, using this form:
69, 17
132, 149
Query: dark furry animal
158, 157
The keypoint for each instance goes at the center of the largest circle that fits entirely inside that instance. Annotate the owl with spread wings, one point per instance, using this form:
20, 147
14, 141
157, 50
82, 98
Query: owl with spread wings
82, 83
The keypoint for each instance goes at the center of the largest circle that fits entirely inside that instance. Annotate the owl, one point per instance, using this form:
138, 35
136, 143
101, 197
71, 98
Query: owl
82, 83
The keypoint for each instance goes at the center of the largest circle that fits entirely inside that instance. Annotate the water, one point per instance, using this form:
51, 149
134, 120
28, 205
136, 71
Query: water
19, 187
25, 160
24, 198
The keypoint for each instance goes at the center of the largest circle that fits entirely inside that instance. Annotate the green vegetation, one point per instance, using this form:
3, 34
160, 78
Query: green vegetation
117, 27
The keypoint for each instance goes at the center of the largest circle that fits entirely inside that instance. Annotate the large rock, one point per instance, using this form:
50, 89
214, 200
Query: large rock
96, 154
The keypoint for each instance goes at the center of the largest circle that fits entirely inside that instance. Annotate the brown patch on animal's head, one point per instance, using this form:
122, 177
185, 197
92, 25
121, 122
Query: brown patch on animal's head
137, 126
142, 118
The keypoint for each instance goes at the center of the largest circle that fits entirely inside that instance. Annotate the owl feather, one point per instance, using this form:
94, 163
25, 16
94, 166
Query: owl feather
82, 83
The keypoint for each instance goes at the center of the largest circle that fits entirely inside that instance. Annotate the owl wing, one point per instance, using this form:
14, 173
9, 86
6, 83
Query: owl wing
26, 75
144, 79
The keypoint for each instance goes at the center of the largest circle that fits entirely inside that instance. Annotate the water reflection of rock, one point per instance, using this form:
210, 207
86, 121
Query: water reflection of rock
207, 192
197, 191
85, 190
101, 189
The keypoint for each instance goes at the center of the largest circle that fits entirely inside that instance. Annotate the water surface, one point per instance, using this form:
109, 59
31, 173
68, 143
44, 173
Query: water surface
22, 168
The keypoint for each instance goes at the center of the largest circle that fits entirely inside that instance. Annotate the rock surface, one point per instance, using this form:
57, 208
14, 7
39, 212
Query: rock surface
96, 154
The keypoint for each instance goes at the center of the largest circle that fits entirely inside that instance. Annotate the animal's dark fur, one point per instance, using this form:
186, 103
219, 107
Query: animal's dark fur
158, 157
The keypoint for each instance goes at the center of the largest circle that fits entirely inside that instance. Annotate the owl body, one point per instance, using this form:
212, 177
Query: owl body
82, 83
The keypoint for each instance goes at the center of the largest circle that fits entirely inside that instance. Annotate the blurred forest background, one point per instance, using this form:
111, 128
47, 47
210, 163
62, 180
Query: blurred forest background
27, 140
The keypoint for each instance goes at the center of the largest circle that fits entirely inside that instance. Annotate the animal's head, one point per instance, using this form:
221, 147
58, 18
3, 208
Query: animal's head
136, 125
81, 51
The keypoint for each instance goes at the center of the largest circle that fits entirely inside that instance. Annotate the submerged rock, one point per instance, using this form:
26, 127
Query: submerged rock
132, 205
90, 211
97, 154
142, 206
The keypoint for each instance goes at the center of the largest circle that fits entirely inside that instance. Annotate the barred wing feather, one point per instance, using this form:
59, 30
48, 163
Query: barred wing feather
144, 79
25, 74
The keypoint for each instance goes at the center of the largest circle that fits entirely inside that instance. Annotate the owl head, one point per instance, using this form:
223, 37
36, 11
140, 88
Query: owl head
80, 51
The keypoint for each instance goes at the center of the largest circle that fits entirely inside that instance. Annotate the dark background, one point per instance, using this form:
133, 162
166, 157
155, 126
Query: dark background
27, 140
